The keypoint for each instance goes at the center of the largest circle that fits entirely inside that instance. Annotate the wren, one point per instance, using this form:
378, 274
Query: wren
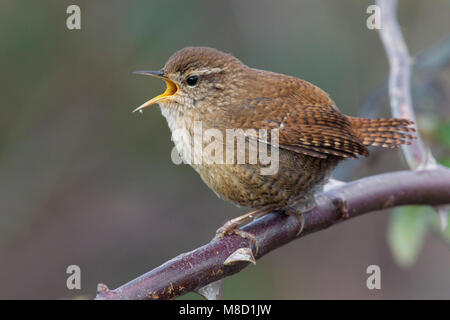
216, 89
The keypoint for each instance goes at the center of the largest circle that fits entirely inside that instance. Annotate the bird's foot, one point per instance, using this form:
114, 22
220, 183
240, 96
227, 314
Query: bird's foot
298, 215
232, 227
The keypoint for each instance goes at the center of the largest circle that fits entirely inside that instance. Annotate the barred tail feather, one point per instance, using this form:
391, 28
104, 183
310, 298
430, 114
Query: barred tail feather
386, 133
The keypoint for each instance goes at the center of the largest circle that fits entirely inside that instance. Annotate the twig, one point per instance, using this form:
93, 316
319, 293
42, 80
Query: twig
416, 155
399, 78
425, 68
424, 71
193, 270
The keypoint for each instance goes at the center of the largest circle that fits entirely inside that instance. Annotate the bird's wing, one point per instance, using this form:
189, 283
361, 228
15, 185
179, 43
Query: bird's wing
320, 131
315, 130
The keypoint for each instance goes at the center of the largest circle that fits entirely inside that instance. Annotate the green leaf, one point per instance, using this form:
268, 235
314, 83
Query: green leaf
445, 162
446, 233
436, 224
406, 233
443, 133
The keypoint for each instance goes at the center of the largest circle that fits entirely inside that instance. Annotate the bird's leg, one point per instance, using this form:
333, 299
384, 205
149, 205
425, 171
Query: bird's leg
298, 207
298, 215
232, 226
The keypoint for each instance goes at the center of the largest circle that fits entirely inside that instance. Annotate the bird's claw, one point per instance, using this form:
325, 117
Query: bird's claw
230, 228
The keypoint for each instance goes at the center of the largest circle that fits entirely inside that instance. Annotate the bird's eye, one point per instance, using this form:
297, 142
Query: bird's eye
192, 81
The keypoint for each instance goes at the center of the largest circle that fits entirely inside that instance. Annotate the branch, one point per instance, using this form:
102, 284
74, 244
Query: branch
417, 156
426, 66
424, 70
399, 79
200, 267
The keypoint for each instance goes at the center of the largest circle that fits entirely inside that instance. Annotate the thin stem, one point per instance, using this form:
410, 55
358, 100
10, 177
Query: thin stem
399, 79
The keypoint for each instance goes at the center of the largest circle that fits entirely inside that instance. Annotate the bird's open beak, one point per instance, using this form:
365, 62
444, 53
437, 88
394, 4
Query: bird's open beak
171, 89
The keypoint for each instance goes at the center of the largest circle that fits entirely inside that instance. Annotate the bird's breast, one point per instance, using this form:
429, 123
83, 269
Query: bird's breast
182, 128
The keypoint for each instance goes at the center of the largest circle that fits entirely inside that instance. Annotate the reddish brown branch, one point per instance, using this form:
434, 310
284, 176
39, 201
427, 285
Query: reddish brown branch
193, 270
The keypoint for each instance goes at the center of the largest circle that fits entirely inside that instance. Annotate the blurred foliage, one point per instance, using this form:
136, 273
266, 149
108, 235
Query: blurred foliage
407, 232
409, 224
446, 233
443, 135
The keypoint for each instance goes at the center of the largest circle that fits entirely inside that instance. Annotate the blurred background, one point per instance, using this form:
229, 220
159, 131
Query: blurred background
85, 181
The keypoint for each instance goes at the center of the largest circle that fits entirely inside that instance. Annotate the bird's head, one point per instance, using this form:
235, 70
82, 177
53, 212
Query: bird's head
195, 76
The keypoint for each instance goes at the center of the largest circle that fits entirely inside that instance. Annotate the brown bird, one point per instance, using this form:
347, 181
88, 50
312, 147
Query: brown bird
216, 90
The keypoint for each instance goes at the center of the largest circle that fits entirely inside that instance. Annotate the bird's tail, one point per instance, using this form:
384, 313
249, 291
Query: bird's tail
386, 133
